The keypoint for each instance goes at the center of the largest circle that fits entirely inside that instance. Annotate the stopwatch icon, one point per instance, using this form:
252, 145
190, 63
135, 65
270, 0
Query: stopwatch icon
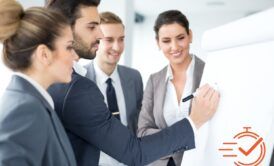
247, 148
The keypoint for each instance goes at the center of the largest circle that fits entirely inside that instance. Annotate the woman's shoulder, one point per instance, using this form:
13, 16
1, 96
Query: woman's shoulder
22, 105
199, 64
160, 73
158, 76
198, 60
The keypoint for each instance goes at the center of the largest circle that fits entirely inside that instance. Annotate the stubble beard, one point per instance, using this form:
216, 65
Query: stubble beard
82, 49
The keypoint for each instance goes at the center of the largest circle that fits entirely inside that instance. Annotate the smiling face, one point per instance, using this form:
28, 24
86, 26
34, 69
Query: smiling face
87, 32
174, 41
63, 56
112, 44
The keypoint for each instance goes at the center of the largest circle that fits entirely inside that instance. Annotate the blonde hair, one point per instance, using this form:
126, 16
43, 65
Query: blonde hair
110, 18
22, 31
10, 14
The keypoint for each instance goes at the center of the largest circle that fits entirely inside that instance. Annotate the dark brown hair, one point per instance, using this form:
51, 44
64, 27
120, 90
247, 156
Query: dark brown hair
22, 31
170, 17
70, 8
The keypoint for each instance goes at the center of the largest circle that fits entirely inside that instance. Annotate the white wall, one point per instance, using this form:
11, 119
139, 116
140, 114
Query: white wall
5, 73
146, 56
30, 3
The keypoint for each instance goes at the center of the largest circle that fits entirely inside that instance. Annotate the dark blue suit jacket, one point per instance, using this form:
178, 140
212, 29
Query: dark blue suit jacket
91, 128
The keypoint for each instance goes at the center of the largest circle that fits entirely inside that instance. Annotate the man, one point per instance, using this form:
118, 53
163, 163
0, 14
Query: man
87, 120
126, 82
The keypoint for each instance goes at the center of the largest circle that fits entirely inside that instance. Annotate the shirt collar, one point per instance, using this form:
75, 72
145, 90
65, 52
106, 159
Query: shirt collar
79, 69
190, 69
101, 77
169, 74
37, 86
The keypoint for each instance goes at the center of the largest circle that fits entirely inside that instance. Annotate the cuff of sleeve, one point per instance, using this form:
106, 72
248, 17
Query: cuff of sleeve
192, 125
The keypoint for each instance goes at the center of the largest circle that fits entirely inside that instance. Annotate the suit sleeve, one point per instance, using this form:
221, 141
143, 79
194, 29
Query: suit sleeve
87, 116
23, 135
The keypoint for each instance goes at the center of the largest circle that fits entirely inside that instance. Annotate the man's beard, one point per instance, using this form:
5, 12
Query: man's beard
82, 49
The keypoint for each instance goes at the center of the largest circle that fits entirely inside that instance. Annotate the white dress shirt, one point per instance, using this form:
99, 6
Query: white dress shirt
101, 79
79, 69
173, 112
38, 87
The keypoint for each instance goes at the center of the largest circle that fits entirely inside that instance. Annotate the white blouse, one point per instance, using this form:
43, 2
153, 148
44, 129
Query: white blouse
174, 112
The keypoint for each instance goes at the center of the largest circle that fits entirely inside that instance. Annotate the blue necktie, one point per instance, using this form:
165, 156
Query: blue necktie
111, 99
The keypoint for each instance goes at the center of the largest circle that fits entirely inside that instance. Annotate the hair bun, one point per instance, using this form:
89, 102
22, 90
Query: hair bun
11, 13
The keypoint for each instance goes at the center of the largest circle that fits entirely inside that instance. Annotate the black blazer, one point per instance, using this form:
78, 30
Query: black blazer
91, 128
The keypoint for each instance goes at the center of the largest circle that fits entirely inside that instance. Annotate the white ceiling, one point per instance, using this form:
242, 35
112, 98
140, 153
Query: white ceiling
154, 7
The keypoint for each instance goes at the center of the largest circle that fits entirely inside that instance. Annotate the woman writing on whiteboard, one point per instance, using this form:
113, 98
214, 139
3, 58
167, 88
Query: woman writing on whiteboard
162, 102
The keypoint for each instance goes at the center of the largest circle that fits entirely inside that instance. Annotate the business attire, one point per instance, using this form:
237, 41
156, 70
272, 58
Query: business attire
129, 91
160, 107
91, 128
30, 131
272, 159
128, 86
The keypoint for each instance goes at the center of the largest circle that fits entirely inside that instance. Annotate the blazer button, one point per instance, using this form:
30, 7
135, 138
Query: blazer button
186, 147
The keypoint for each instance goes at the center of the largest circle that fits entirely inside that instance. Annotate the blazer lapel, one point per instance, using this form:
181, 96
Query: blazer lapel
127, 86
62, 137
197, 75
160, 93
24, 85
198, 72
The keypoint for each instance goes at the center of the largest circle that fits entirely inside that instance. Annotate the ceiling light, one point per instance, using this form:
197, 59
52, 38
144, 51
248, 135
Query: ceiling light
215, 3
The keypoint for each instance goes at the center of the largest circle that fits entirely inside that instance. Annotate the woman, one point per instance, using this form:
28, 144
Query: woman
162, 103
37, 45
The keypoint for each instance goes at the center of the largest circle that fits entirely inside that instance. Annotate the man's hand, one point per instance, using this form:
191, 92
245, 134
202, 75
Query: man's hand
204, 105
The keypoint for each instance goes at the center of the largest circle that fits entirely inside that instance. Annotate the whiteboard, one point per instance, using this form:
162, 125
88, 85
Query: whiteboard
244, 73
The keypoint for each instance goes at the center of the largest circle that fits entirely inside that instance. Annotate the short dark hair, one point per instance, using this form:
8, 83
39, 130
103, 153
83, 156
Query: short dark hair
170, 17
22, 31
70, 8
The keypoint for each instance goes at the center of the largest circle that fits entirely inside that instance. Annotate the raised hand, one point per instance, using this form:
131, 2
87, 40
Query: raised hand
204, 105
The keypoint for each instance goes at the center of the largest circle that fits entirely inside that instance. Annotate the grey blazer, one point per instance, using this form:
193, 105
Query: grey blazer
151, 119
132, 85
30, 131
